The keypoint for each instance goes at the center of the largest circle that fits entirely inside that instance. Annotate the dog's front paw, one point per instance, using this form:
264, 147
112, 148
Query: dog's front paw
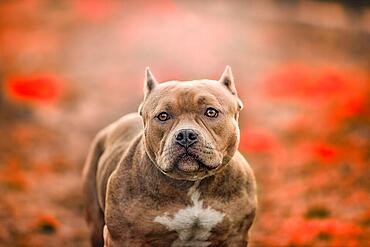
106, 236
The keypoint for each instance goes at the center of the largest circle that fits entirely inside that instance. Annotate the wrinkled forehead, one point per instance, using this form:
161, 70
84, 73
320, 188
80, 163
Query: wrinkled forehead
189, 96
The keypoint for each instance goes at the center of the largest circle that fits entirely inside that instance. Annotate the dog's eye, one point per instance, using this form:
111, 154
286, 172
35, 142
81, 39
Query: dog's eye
163, 116
211, 112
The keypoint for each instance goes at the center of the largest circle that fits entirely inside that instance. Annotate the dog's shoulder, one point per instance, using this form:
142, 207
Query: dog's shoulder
115, 140
241, 165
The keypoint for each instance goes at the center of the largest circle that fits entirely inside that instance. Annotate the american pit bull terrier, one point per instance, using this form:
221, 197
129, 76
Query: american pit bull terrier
172, 175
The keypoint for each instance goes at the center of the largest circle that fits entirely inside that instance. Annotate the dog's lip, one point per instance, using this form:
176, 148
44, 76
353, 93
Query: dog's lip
202, 165
202, 171
191, 155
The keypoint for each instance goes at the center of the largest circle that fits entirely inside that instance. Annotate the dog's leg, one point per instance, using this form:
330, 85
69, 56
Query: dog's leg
235, 242
96, 230
94, 214
105, 235
241, 237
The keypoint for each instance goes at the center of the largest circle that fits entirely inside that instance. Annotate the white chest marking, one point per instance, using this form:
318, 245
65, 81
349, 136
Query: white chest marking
193, 223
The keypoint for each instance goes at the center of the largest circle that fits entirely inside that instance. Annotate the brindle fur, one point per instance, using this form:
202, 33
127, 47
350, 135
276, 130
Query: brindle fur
125, 190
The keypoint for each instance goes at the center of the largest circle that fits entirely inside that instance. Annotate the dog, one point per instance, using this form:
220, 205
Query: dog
171, 174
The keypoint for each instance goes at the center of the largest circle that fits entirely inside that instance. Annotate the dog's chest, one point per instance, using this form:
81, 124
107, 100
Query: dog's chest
194, 223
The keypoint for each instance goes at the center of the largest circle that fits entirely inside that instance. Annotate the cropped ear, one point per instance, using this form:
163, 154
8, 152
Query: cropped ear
149, 84
149, 81
227, 80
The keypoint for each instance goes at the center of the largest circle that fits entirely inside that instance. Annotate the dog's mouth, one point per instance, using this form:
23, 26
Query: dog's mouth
189, 162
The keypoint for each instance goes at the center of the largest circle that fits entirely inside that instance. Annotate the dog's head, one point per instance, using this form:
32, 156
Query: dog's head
191, 127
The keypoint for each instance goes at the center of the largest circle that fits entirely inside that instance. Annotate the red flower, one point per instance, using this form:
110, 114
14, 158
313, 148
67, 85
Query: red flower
13, 176
330, 82
33, 89
47, 223
287, 81
325, 151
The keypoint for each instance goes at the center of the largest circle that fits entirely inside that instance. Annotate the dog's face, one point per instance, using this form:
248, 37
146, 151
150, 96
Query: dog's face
191, 128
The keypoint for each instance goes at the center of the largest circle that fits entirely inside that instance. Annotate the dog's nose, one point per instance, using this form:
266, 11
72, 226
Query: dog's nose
186, 137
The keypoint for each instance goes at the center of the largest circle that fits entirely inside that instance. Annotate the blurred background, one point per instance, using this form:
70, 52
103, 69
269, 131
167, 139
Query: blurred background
302, 68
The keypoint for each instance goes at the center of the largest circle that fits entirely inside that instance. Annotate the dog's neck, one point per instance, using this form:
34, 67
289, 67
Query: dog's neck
158, 188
